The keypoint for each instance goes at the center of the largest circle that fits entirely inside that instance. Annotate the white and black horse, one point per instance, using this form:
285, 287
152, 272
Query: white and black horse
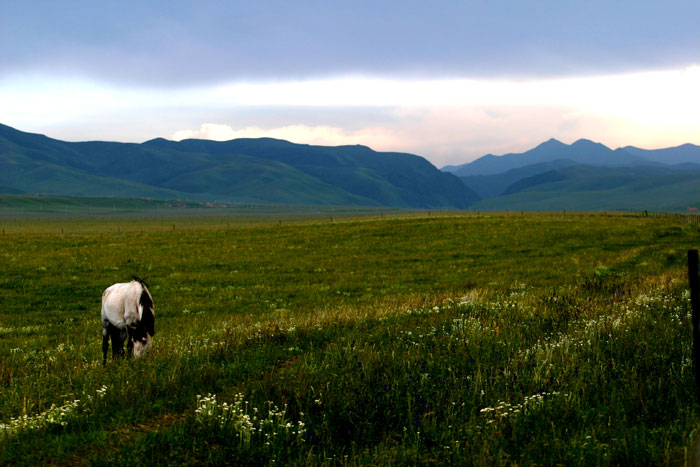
127, 312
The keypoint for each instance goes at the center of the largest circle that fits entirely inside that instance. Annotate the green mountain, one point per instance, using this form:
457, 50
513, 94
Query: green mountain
585, 176
250, 170
588, 188
489, 186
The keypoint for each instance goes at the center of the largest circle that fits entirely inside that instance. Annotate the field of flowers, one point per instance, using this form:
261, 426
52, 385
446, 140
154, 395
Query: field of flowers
449, 339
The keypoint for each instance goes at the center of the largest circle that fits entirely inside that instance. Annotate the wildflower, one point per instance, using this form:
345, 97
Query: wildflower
236, 419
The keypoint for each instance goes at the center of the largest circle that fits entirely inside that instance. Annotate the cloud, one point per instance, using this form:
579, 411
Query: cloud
442, 135
316, 135
448, 121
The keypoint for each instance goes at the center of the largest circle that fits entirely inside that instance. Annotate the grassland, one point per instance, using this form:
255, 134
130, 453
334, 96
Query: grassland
15, 209
450, 339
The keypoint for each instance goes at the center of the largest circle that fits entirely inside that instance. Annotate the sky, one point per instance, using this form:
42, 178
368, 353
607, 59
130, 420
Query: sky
448, 80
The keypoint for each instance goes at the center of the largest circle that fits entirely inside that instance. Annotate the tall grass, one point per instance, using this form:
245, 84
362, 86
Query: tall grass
465, 340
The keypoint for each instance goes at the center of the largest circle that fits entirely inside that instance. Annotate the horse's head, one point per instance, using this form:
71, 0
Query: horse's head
147, 310
146, 327
142, 346
140, 338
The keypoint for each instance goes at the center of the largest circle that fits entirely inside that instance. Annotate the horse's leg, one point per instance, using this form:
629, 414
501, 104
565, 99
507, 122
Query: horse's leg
118, 336
105, 344
129, 344
122, 338
114, 335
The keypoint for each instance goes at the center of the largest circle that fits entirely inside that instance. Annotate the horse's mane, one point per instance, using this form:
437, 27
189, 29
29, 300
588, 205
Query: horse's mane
146, 302
139, 280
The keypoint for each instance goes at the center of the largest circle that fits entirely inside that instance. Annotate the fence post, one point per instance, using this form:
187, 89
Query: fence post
694, 281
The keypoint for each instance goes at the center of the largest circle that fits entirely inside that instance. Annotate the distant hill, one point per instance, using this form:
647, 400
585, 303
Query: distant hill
582, 151
585, 176
589, 188
489, 186
254, 170
686, 153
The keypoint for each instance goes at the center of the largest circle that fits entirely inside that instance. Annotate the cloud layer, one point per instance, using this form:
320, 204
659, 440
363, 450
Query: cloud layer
448, 121
211, 41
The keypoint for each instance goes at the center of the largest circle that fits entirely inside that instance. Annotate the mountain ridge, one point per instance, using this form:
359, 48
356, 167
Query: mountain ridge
585, 175
247, 169
582, 151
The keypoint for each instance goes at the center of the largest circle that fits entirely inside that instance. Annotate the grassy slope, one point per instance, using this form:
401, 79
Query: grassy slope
251, 170
21, 174
489, 186
454, 339
274, 183
595, 188
240, 180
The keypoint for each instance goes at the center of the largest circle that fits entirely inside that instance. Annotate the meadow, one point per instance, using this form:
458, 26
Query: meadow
446, 338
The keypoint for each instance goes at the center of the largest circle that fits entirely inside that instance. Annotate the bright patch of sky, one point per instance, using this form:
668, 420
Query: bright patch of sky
450, 81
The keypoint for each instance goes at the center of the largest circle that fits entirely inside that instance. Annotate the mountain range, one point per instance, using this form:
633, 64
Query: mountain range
242, 170
585, 176
581, 176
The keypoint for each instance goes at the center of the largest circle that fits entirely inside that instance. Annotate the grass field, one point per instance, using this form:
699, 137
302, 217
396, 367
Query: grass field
448, 339
16, 209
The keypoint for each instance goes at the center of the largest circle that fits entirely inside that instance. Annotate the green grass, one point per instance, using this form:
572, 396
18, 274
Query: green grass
15, 209
450, 339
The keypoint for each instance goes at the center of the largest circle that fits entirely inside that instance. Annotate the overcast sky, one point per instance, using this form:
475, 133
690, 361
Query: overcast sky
449, 80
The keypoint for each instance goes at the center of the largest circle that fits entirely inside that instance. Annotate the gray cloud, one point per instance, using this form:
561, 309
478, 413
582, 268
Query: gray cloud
191, 43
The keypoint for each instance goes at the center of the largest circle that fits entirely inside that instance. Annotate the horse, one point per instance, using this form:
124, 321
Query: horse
127, 311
